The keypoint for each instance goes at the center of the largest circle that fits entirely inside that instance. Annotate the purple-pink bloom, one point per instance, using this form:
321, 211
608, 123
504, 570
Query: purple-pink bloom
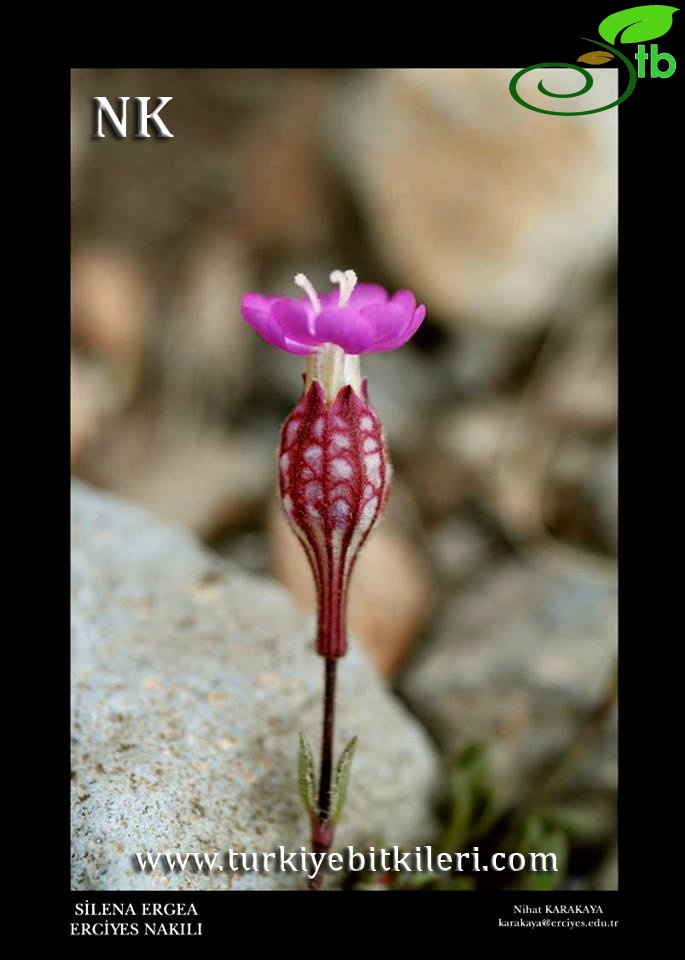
360, 318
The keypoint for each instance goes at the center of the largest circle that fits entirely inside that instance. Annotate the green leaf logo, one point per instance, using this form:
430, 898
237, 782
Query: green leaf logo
637, 24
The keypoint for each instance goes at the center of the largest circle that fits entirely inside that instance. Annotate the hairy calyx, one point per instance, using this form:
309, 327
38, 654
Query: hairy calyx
334, 474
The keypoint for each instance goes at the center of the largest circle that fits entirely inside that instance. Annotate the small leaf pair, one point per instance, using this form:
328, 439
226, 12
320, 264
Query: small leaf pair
307, 778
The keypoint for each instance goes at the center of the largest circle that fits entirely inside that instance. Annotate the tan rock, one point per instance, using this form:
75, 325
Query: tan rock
517, 457
389, 597
94, 398
108, 304
578, 385
285, 197
184, 472
202, 344
488, 210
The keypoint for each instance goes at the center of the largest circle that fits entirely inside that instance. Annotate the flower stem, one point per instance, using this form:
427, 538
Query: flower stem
322, 828
327, 738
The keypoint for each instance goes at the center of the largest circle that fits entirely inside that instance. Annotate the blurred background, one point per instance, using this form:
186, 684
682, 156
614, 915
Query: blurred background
488, 594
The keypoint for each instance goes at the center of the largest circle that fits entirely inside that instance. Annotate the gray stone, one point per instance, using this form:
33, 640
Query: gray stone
605, 490
519, 660
457, 548
190, 682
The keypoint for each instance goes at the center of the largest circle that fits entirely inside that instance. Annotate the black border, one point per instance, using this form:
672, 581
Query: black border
648, 181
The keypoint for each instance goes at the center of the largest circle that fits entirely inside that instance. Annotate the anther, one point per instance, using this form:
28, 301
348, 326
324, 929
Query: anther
308, 288
347, 281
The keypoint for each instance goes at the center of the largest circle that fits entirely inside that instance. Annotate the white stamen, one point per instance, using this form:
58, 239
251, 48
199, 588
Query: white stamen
308, 288
351, 281
347, 281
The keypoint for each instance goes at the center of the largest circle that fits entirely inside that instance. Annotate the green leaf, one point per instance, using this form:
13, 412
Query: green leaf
555, 841
306, 774
473, 802
538, 835
585, 821
637, 24
342, 778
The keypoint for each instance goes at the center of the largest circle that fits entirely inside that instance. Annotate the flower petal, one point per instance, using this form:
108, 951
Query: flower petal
387, 320
405, 299
330, 298
292, 346
363, 294
295, 319
256, 301
367, 293
393, 342
344, 326
265, 326
370, 321
257, 312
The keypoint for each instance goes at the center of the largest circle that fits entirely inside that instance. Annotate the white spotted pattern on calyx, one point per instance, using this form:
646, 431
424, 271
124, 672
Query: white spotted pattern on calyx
334, 474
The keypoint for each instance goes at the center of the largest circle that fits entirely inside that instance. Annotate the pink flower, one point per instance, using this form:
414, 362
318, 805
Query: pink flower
334, 472
359, 318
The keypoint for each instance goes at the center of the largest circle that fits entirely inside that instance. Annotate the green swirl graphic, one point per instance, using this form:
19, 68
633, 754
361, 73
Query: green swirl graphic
587, 85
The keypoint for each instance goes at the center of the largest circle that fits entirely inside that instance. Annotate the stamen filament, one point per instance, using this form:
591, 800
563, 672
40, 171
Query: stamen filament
302, 281
347, 281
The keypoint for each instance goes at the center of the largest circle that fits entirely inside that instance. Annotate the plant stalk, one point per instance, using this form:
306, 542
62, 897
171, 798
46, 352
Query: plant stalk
322, 827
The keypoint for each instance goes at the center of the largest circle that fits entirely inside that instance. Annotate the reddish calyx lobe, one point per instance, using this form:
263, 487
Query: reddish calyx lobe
334, 474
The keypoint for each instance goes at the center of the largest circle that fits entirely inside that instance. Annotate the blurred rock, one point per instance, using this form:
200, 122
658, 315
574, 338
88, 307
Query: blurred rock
582, 493
190, 683
405, 388
457, 548
467, 445
605, 494
95, 397
481, 360
474, 433
490, 211
579, 383
568, 501
461, 455
536, 476
431, 472
109, 304
204, 346
248, 550
389, 596
581, 400
286, 197
184, 472
519, 661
